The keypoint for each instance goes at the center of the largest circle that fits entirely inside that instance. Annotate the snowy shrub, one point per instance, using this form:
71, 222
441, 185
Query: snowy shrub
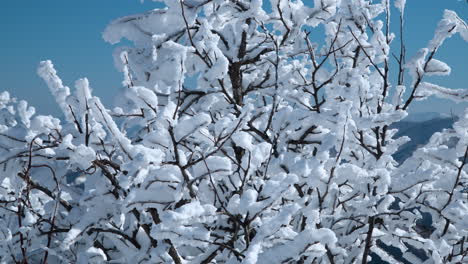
242, 136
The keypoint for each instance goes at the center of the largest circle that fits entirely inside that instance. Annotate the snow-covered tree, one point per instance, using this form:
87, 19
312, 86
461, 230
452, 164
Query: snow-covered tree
241, 135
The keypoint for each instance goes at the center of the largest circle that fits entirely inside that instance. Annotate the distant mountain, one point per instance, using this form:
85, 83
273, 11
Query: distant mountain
419, 127
424, 116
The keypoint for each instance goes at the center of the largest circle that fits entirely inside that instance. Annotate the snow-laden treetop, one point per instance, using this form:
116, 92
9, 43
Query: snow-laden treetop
242, 135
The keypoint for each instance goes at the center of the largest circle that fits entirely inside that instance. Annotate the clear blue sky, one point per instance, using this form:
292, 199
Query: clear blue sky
69, 33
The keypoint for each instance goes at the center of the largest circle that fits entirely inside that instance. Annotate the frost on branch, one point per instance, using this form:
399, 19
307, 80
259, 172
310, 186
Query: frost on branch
456, 95
240, 136
436, 67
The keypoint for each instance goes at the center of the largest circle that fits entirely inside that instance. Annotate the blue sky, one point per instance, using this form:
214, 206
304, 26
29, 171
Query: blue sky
69, 33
